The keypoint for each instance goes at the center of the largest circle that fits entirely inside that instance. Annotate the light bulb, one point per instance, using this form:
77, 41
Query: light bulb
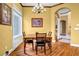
38, 8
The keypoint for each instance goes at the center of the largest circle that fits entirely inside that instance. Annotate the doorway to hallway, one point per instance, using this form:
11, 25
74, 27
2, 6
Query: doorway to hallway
63, 25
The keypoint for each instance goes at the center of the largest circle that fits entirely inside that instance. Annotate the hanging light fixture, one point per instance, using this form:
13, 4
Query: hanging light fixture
38, 8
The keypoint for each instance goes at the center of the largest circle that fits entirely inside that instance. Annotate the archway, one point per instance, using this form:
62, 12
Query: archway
63, 25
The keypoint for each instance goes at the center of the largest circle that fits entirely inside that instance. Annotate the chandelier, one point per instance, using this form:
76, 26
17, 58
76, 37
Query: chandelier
38, 8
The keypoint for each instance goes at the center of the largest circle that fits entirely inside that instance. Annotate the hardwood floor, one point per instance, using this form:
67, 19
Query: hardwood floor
58, 49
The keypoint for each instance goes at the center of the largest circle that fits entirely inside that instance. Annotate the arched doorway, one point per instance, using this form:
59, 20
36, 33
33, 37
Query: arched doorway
63, 25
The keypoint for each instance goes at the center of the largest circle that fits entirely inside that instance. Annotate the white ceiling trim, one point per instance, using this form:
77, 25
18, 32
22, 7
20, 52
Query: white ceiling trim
44, 4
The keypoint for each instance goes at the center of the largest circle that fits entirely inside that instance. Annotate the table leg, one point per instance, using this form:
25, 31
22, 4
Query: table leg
24, 47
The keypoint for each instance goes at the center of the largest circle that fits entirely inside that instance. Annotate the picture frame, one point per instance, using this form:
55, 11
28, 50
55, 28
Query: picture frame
6, 15
37, 22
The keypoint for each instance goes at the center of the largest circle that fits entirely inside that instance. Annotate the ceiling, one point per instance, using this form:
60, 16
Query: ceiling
44, 4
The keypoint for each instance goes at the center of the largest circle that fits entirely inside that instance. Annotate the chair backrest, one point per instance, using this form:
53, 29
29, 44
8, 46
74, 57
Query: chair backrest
50, 33
41, 36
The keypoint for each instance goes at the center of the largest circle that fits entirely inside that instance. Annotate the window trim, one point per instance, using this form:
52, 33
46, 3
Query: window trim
15, 11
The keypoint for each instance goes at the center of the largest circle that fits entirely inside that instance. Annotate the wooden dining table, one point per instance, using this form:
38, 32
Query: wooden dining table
33, 37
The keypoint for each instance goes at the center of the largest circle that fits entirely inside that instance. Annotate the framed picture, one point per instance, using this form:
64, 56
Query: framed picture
6, 15
37, 22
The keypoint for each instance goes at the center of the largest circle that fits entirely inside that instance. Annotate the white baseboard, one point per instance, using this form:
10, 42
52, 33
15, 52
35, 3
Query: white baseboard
11, 50
75, 45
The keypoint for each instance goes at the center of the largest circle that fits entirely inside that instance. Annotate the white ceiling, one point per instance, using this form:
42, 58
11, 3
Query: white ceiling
44, 4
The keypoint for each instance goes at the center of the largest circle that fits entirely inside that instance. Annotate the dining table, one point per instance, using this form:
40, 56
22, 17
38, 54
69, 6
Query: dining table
33, 37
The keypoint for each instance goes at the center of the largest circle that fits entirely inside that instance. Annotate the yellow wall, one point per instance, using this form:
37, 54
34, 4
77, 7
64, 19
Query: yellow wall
28, 15
6, 33
74, 20
5, 38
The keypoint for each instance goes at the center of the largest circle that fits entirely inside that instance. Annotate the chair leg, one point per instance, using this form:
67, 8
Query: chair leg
33, 46
24, 47
36, 50
50, 46
41, 47
45, 50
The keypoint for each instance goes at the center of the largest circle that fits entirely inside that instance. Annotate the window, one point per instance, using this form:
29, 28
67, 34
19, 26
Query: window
17, 24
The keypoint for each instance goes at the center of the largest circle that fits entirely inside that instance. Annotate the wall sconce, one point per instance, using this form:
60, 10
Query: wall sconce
77, 24
77, 27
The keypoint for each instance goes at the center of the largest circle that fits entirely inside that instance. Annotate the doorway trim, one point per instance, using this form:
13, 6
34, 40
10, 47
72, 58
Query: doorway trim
58, 15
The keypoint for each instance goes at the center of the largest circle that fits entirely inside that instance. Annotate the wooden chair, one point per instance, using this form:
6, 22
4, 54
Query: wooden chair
40, 41
27, 41
49, 41
49, 33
